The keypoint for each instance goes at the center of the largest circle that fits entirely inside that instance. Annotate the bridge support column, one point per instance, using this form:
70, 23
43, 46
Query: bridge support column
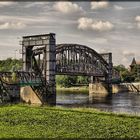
109, 77
50, 69
98, 89
26, 57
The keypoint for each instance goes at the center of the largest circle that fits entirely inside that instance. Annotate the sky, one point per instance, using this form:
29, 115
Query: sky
104, 26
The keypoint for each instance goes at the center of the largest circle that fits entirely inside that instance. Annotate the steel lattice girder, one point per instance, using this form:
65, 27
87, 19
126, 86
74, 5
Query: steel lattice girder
88, 58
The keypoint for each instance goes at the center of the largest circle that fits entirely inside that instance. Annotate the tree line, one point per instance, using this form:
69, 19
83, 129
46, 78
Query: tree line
128, 75
10, 64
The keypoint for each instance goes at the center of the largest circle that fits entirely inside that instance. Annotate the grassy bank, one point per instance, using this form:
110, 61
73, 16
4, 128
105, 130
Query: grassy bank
73, 88
22, 121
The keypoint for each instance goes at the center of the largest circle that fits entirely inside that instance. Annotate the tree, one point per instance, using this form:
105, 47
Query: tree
120, 68
66, 80
82, 80
126, 75
9, 64
135, 72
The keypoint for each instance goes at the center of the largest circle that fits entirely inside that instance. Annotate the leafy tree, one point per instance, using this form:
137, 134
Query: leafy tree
120, 68
10, 64
135, 72
82, 80
126, 75
66, 80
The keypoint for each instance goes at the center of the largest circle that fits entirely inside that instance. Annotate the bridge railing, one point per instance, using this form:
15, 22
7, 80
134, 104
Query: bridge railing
20, 78
29, 78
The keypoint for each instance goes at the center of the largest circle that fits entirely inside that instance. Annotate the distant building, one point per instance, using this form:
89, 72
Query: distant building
135, 68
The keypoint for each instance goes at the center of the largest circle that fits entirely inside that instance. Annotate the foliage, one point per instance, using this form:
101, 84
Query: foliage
20, 121
120, 68
126, 75
68, 81
65, 80
82, 79
10, 64
136, 73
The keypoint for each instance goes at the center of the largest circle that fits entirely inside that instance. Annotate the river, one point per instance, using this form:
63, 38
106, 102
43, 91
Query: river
119, 103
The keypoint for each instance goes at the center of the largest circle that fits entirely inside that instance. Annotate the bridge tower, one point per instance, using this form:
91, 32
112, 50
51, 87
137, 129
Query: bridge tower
38, 54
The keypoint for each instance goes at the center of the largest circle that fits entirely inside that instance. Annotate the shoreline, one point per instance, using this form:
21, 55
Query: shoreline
73, 88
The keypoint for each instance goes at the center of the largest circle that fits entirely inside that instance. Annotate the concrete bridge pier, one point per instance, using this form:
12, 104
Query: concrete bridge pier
50, 71
102, 89
97, 88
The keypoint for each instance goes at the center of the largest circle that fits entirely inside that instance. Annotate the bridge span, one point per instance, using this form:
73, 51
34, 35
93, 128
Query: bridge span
43, 59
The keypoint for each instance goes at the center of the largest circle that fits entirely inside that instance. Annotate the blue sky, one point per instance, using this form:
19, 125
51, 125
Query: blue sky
104, 26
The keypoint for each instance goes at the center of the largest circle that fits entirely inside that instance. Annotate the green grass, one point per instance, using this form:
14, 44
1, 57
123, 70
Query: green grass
23, 121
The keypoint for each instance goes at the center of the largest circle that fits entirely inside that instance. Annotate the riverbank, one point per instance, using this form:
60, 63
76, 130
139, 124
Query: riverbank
23, 121
73, 88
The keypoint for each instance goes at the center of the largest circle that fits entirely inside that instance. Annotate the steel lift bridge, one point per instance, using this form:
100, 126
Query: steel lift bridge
43, 59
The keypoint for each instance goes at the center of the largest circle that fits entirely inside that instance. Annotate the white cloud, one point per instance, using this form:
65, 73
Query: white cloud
12, 25
67, 7
99, 5
88, 23
85, 23
8, 3
102, 26
137, 19
117, 7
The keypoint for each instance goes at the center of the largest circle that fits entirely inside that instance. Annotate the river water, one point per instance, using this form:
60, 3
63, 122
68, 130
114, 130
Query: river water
119, 103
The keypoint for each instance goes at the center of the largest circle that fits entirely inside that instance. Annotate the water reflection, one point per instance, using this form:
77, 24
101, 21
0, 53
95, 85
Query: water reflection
121, 102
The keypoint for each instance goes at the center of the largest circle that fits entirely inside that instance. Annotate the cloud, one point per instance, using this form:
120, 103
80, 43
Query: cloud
99, 5
67, 7
8, 3
85, 23
34, 4
128, 54
137, 19
117, 7
12, 25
